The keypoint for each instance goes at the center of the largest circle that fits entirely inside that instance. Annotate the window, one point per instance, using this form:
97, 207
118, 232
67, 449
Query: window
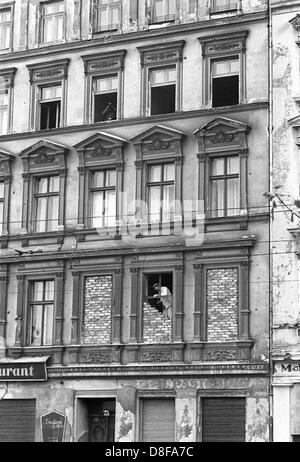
47, 204
224, 186
1, 206
161, 78
6, 90
52, 21
157, 419
161, 192
103, 198
225, 82
163, 10
159, 289
163, 90
44, 183
107, 15
224, 69
5, 28
48, 94
50, 107
224, 5
104, 86
41, 313
4, 106
105, 98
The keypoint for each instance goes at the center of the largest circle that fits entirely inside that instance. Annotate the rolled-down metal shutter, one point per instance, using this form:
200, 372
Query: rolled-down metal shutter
158, 420
17, 420
223, 419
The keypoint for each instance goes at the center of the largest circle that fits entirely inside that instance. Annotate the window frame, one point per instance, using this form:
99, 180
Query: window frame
5, 178
102, 189
31, 304
110, 26
44, 75
156, 57
139, 291
222, 47
11, 7
96, 153
41, 101
166, 17
9, 77
225, 177
42, 25
41, 160
37, 195
103, 65
228, 8
162, 184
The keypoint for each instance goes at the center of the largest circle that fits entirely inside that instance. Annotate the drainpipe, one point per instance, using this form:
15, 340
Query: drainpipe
270, 142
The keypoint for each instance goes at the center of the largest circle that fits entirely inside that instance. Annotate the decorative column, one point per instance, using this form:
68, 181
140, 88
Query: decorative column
134, 305
3, 299
20, 328
75, 336
199, 312
59, 303
117, 306
178, 308
244, 313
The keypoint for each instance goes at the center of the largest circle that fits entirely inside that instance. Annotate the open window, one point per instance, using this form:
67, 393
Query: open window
50, 107
104, 86
163, 90
225, 82
105, 98
159, 291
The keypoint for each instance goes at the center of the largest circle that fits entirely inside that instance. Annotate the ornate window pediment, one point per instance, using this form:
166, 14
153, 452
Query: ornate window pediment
222, 133
100, 154
44, 166
159, 140
222, 154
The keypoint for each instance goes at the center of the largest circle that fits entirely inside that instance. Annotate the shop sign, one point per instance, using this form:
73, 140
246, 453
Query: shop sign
287, 368
23, 371
53, 427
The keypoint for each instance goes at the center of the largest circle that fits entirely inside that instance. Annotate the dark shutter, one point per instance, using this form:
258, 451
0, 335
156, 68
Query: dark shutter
158, 420
17, 420
223, 419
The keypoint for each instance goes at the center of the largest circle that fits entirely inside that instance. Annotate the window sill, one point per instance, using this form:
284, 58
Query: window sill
225, 11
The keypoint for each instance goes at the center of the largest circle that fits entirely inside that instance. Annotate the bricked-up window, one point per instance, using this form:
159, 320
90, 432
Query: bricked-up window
5, 28
4, 106
163, 90
1, 205
52, 21
107, 15
222, 299
97, 317
161, 192
50, 106
47, 203
224, 5
163, 10
224, 191
103, 198
105, 98
225, 82
41, 313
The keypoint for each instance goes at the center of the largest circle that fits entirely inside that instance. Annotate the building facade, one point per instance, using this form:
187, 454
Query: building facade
285, 229
134, 151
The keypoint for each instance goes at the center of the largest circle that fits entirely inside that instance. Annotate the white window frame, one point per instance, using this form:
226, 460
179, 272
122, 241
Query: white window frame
54, 15
3, 8
111, 4
166, 17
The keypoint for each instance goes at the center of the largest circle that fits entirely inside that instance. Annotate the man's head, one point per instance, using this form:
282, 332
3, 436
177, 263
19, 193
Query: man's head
156, 287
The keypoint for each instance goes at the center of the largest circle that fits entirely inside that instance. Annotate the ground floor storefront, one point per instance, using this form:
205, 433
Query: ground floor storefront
286, 401
148, 404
